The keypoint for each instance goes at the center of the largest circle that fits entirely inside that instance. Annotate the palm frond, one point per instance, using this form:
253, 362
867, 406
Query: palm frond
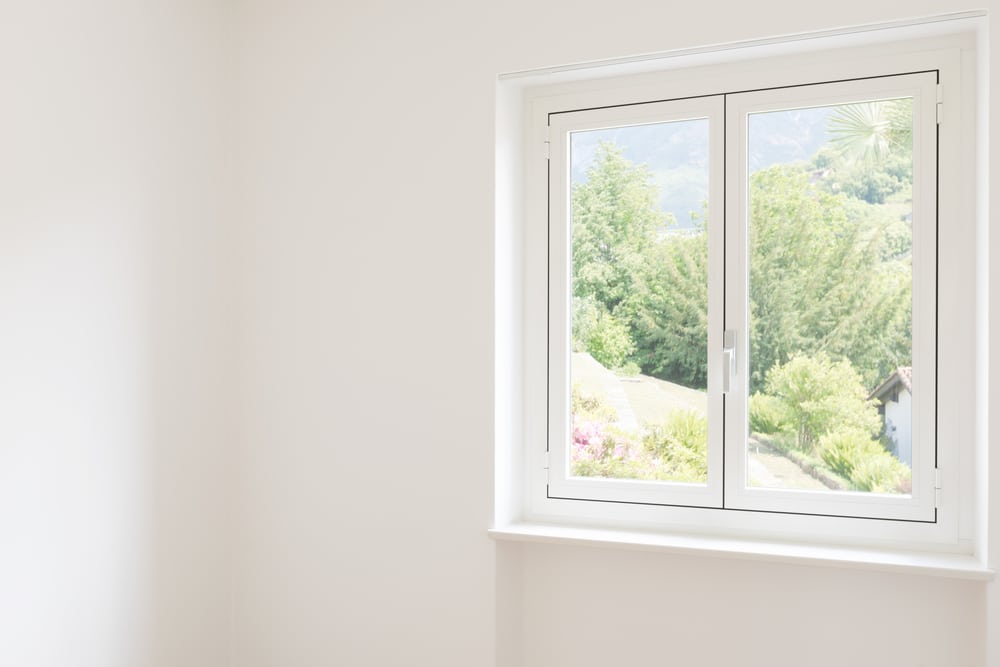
860, 132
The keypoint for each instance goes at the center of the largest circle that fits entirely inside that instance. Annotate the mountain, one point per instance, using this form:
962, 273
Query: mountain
677, 152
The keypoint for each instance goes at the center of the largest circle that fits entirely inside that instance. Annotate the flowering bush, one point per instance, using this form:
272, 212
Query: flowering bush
594, 441
674, 451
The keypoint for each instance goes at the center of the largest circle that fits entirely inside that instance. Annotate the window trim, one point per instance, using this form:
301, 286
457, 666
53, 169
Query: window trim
518, 499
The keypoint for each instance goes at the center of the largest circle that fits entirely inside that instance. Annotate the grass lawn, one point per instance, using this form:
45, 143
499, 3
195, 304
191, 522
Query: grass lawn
652, 399
649, 398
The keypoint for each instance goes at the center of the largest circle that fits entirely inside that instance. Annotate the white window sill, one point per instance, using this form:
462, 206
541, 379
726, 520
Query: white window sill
956, 566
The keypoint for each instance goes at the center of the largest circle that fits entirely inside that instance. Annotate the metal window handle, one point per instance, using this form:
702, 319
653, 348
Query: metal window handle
728, 359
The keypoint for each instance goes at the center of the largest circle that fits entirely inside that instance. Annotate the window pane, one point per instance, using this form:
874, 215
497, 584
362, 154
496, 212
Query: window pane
639, 197
830, 197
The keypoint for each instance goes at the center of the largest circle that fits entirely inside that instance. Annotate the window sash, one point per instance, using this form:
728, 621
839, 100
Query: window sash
920, 505
560, 483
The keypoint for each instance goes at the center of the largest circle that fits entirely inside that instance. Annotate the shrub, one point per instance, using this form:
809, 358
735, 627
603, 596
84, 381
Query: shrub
843, 450
675, 451
629, 369
609, 342
679, 447
821, 396
599, 448
854, 455
597, 443
590, 407
768, 415
882, 473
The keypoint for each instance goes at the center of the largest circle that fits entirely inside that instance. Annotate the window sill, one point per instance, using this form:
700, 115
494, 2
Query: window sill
957, 566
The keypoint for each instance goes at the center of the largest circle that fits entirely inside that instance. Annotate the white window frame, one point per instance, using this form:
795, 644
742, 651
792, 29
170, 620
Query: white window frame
560, 126
921, 504
529, 474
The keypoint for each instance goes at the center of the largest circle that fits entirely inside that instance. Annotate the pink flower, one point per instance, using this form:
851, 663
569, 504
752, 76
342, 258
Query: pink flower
588, 441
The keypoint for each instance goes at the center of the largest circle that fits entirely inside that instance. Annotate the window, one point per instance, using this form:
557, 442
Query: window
621, 249
739, 275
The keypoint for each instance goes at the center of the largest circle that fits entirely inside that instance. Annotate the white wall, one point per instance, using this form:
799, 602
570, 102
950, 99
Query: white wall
364, 378
366, 479
367, 136
591, 607
114, 421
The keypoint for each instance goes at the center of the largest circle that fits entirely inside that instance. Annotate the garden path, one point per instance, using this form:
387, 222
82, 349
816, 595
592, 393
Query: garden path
595, 379
768, 468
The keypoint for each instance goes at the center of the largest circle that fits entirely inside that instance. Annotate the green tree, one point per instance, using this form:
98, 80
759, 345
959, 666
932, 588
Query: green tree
636, 290
820, 396
830, 273
873, 183
668, 310
615, 225
609, 341
818, 279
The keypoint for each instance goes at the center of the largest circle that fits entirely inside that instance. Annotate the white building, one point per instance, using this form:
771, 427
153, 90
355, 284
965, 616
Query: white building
895, 405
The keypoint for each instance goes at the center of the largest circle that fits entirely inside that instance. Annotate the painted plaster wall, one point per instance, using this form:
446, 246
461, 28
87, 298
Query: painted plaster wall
368, 135
345, 435
115, 421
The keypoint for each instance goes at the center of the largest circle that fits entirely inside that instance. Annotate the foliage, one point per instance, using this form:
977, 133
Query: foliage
609, 341
870, 132
842, 450
769, 415
877, 184
629, 369
829, 252
600, 450
828, 273
615, 222
881, 473
674, 451
590, 408
628, 265
820, 396
818, 282
586, 312
669, 310
681, 445
853, 454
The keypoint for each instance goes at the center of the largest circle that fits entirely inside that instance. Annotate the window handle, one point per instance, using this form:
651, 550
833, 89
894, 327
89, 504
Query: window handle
728, 359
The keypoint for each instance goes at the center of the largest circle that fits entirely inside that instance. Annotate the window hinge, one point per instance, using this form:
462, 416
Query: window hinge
940, 103
937, 487
548, 143
546, 460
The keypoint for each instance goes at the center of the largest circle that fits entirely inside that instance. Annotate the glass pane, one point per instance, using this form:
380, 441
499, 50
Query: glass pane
639, 201
831, 297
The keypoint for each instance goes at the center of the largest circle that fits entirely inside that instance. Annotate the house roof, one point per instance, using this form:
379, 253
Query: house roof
902, 375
